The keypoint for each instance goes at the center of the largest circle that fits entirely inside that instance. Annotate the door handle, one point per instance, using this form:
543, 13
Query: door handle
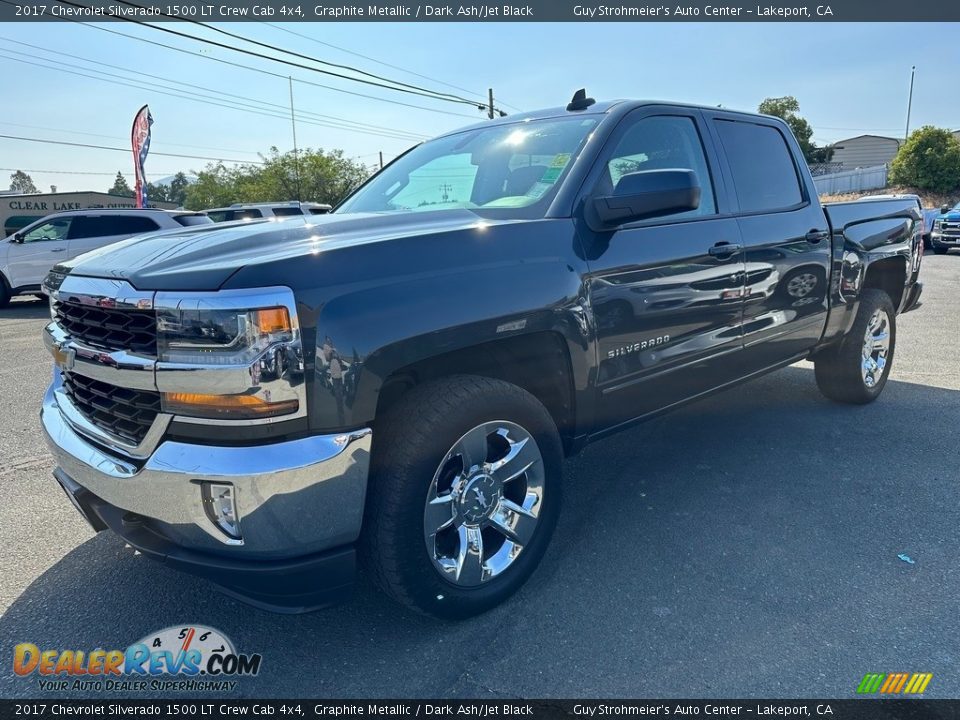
724, 250
815, 236
59, 250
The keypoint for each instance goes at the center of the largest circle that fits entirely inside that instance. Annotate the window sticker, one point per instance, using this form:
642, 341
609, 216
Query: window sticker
539, 189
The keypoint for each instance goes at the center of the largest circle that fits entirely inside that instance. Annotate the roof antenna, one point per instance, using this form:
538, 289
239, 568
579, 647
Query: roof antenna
580, 101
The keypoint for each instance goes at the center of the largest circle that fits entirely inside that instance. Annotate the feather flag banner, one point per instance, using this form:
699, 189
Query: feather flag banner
140, 142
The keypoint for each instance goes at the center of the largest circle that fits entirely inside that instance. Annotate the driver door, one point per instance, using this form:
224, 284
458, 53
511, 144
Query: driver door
667, 292
42, 247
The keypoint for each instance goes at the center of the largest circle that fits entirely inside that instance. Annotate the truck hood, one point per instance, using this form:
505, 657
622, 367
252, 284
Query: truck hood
952, 216
205, 256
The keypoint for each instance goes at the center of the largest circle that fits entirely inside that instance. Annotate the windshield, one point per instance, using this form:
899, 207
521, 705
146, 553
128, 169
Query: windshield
510, 171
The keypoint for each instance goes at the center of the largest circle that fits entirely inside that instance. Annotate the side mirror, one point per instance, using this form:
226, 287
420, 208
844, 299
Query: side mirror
17, 237
647, 194
944, 209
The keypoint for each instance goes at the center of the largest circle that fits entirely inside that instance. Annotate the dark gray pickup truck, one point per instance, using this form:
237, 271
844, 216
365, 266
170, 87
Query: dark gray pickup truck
401, 379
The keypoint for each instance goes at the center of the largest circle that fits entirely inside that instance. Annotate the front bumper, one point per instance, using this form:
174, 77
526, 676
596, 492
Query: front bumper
941, 240
300, 505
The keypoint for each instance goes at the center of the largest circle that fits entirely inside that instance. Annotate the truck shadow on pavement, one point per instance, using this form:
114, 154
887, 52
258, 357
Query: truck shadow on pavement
26, 308
743, 546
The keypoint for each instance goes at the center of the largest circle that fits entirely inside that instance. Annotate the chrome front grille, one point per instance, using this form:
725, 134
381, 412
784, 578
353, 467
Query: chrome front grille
124, 413
109, 329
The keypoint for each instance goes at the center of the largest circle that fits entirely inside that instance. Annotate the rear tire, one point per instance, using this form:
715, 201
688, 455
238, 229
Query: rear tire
438, 502
856, 371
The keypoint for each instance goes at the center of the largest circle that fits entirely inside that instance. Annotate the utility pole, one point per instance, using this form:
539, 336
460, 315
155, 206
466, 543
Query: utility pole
296, 154
381, 159
913, 71
490, 105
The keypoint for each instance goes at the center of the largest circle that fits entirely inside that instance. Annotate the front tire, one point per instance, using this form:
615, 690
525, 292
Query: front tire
937, 249
4, 292
464, 495
856, 371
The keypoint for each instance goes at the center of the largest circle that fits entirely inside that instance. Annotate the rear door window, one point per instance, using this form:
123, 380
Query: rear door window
762, 165
188, 220
89, 226
287, 211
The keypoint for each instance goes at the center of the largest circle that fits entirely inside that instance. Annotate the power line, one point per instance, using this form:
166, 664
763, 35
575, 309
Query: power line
348, 124
261, 71
275, 26
282, 61
216, 102
115, 137
127, 150
304, 57
75, 172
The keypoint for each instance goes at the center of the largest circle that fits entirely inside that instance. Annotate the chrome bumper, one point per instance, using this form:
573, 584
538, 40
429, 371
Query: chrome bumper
293, 498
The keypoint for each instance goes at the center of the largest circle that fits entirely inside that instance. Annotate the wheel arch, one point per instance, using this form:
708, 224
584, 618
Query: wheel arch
538, 362
888, 274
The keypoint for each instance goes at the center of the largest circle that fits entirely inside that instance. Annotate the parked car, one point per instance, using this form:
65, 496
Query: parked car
946, 230
250, 211
27, 255
450, 320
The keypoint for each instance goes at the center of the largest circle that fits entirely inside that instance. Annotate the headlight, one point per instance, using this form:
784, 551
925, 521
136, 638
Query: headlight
937, 223
223, 357
220, 337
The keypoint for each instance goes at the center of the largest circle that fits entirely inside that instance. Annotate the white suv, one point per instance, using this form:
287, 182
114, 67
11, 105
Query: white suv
28, 254
275, 210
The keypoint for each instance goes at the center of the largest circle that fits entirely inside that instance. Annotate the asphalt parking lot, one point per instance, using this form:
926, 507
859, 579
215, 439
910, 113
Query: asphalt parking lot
746, 546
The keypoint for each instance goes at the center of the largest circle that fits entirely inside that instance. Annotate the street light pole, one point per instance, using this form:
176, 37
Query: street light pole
913, 71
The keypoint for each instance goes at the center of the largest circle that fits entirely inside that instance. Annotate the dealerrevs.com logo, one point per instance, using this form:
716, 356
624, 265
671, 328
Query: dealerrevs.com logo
180, 657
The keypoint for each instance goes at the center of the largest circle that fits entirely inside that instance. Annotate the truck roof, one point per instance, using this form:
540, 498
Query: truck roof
604, 107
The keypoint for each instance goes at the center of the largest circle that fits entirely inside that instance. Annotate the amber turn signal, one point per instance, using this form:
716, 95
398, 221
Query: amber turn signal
272, 320
228, 407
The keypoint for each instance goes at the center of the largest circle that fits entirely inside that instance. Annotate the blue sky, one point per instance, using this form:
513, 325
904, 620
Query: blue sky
850, 79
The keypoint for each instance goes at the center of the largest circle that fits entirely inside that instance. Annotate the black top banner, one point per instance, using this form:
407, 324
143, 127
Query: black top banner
514, 11
495, 709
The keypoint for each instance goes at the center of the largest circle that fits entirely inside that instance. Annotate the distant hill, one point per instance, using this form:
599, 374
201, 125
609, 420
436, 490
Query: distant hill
169, 178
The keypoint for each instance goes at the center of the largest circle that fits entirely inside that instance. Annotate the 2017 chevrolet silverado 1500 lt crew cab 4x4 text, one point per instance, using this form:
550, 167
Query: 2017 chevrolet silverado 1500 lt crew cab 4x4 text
401, 379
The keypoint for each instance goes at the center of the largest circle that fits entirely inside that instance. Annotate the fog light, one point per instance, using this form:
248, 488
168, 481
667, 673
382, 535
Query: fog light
219, 502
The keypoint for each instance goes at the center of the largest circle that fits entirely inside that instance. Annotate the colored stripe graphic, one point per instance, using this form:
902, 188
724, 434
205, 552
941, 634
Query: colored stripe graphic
894, 683
870, 683
918, 683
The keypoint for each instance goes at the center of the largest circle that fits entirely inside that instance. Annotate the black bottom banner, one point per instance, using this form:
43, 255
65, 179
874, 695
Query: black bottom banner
865, 709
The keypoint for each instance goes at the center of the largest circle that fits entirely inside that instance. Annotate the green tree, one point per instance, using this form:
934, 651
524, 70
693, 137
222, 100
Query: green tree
216, 186
313, 176
21, 182
120, 186
929, 160
787, 108
157, 193
177, 190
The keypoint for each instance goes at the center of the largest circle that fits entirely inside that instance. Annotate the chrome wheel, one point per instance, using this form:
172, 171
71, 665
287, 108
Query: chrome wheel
876, 347
484, 503
801, 285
